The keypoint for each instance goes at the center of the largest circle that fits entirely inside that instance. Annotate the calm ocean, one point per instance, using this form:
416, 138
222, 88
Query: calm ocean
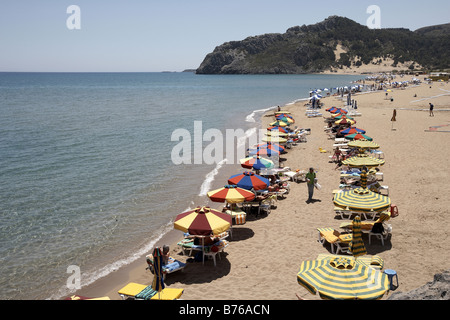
86, 177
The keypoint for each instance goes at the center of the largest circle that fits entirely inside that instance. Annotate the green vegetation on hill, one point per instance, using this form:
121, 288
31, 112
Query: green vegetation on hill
305, 49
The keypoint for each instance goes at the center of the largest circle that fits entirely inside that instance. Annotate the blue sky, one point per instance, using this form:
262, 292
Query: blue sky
169, 35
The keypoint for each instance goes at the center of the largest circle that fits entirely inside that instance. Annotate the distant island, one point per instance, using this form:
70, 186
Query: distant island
335, 45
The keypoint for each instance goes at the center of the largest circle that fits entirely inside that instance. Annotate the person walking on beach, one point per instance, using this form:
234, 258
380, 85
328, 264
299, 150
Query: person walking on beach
310, 180
431, 110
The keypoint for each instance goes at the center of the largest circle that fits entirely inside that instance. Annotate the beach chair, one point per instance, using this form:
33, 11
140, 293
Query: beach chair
366, 226
187, 245
138, 291
335, 239
172, 266
295, 176
381, 236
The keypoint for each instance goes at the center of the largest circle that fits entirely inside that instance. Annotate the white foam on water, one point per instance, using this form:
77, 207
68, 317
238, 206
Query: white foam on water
210, 178
90, 277
251, 116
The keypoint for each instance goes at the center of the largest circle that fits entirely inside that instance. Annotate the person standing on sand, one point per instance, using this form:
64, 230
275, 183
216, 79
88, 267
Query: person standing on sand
431, 110
310, 180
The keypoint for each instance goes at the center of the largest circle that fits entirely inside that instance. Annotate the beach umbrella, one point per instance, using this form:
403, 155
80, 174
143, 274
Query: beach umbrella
279, 124
394, 116
158, 279
286, 120
339, 110
356, 246
264, 151
202, 221
338, 116
363, 144
331, 109
278, 128
256, 163
272, 144
357, 136
342, 278
345, 121
284, 115
362, 160
249, 180
351, 130
231, 194
362, 199
274, 139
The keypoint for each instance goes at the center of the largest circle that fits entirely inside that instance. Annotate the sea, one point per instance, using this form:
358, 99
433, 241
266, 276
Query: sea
88, 181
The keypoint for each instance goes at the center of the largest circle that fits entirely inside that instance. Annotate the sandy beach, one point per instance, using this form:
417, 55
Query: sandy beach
264, 255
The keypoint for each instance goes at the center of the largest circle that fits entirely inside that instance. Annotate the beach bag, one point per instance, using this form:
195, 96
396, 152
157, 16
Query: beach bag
240, 218
378, 227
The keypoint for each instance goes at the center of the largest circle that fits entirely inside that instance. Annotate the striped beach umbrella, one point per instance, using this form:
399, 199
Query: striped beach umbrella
342, 278
362, 160
362, 199
345, 121
231, 194
356, 246
351, 130
285, 114
158, 279
279, 123
358, 136
249, 180
256, 163
338, 116
288, 120
203, 221
271, 145
363, 144
278, 128
264, 151
339, 110
331, 109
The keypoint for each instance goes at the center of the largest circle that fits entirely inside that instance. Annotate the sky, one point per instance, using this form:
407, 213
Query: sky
168, 35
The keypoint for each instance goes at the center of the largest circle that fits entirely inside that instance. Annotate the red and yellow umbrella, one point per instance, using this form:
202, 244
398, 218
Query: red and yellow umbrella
203, 221
231, 194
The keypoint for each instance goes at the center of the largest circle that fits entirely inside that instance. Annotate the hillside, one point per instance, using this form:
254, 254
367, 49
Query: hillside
333, 44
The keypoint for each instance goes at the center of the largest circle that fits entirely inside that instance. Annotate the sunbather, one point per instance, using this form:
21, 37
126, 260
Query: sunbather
165, 254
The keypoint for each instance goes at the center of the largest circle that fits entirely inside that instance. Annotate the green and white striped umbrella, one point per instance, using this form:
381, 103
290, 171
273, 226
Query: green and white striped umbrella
342, 278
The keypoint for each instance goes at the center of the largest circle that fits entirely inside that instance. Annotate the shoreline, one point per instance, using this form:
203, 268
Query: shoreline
135, 272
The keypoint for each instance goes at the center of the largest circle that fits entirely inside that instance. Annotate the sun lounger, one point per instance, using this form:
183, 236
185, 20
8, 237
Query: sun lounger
143, 292
335, 239
172, 266
295, 176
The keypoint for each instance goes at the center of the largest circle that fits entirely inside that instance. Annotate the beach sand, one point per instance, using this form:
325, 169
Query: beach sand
263, 258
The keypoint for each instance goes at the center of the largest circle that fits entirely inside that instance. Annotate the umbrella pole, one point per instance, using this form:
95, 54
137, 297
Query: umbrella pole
203, 249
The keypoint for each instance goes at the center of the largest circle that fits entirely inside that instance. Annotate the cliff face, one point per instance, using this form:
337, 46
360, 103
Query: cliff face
308, 49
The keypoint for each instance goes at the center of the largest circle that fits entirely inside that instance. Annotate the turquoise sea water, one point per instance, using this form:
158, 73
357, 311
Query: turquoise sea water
86, 176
